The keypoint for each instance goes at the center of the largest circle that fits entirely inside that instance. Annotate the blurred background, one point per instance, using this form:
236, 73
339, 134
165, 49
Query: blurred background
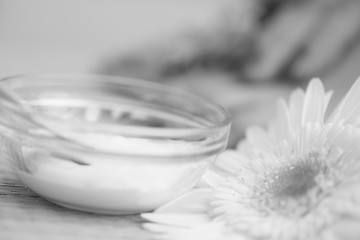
244, 54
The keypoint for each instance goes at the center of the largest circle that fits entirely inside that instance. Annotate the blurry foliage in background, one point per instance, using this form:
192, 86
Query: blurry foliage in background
258, 50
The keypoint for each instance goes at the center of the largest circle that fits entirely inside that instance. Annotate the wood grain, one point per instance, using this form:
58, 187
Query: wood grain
25, 215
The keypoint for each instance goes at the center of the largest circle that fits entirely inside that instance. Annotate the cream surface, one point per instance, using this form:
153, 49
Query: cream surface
113, 184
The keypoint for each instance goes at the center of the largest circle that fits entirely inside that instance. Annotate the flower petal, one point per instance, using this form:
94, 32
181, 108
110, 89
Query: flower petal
347, 228
259, 138
349, 108
214, 230
315, 103
211, 178
195, 201
230, 161
280, 129
177, 220
295, 108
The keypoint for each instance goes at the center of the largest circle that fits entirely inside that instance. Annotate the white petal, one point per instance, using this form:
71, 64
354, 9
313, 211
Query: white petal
177, 220
347, 229
314, 103
167, 232
280, 128
230, 161
259, 138
160, 228
295, 107
245, 148
195, 201
211, 178
209, 231
328, 97
349, 108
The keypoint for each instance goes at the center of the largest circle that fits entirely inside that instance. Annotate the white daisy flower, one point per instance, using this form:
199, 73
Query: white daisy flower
298, 179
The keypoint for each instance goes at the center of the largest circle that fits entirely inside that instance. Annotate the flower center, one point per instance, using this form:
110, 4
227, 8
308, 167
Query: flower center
293, 189
293, 181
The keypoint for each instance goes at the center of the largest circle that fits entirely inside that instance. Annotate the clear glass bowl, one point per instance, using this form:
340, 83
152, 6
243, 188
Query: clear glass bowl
134, 145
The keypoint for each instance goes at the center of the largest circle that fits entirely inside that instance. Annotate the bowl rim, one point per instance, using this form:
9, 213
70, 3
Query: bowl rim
222, 125
227, 118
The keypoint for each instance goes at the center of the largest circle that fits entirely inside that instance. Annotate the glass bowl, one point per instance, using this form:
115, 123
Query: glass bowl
127, 146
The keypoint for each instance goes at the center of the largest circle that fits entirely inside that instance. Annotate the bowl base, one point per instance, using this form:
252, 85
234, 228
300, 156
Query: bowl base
101, 211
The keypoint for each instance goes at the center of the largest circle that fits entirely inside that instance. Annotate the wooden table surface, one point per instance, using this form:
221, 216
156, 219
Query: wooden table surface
25, 215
